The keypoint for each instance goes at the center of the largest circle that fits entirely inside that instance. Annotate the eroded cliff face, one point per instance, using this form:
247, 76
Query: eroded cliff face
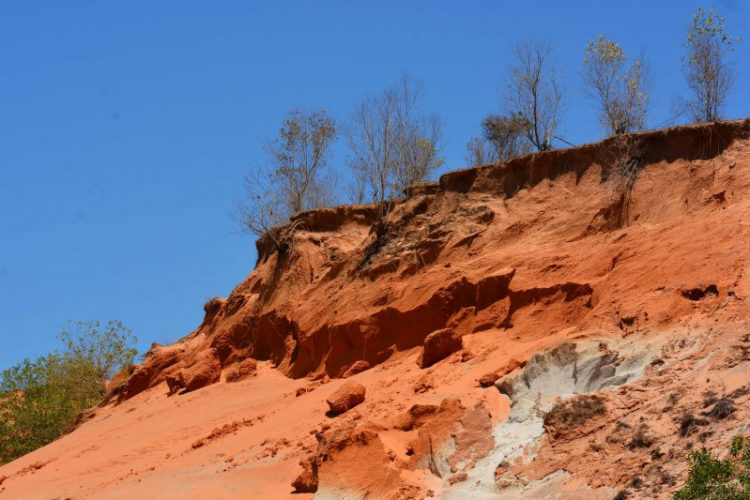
494, 293
543, 241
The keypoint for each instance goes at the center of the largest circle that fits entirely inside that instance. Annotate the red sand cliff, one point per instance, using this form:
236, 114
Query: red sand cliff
525, 282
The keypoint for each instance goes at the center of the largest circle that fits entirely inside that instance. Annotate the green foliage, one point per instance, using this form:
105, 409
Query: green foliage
708, 25
713, 479
40, 398
36, 405
93, 354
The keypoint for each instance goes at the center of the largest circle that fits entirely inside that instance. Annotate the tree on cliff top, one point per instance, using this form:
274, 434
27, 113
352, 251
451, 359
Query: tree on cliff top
392, 144
295, 176
534, 93
616, 85
532, 101
709, 76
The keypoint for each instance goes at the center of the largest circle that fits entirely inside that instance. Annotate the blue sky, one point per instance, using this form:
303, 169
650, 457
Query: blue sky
126, 127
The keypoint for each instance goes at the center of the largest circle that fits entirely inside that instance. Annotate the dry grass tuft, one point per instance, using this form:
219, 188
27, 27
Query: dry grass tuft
573, 413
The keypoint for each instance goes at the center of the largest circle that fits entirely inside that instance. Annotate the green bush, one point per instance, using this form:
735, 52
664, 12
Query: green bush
93, 355
714, 479
40, 398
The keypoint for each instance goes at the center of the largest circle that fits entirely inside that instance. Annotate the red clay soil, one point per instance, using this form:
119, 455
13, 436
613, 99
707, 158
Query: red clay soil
503, 262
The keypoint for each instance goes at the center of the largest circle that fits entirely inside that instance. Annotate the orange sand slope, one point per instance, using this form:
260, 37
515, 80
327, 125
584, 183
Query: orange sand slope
494, 293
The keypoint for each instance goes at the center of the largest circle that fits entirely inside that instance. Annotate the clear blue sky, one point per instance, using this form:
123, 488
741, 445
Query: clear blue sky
126, 127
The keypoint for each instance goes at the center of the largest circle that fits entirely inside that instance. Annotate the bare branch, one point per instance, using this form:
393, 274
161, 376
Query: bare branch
392, 144
534, 93
294, 178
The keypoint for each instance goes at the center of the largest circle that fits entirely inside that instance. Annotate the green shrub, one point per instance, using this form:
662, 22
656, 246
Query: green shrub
93, 354
40, 398
713, 479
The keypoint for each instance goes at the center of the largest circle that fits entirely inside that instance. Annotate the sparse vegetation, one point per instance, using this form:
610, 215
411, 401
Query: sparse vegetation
392, 144
294, 178
708, 74
623, 160
574, 413
93, 354
533, 98
502, 139
740, 392
665, 477
723, 408
672, 401
534, 93
40, 398
709, 397
622, 495
640, 438
703, 436
689, 423
616, 436
711, 478
617, 86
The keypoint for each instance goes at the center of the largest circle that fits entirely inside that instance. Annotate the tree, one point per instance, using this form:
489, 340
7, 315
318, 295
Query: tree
502, 138
534, 93
392, 144
300, 155
262, 212
295, 176
40, 398
616, 86
93, 355
713, 479
419, 151
478, 152
708, 74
